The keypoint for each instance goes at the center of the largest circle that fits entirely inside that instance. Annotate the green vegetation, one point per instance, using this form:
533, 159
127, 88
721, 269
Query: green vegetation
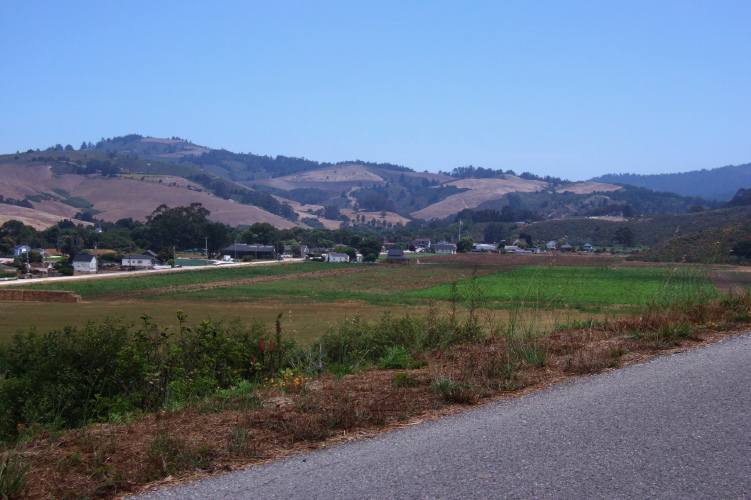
578, 287
155, 281
228, 390
717, 183
12, 471
724, 244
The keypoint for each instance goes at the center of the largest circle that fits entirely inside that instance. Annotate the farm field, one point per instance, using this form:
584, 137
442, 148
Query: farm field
315, 296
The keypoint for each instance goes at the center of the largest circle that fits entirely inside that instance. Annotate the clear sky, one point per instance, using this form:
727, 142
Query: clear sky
568, 88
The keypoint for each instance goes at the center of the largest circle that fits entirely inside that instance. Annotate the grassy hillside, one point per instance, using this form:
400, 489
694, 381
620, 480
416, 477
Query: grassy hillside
647, 231
332, 194
717, 184
729, 244
108, 186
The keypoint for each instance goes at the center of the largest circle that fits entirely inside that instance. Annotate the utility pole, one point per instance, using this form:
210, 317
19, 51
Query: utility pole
207, 249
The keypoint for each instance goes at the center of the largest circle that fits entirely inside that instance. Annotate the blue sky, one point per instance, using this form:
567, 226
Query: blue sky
571, 89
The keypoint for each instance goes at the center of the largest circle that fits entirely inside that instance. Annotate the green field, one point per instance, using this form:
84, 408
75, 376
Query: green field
314, 296
125, 285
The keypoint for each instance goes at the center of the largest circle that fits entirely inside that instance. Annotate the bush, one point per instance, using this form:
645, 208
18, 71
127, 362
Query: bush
454, 392
72, 376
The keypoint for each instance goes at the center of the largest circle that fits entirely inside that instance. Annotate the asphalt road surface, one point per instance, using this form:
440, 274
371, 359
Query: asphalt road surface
676, 427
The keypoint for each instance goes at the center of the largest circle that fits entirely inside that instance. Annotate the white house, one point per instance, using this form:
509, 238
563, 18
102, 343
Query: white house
20, 250
84, 263
336, 257
422, 243
552, 245
445, 248
139, 261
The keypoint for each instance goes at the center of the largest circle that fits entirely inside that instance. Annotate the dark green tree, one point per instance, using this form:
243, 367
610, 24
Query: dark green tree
261, 233
184, 227
370, 248
625, 236
331, 212
465, 244
494, 232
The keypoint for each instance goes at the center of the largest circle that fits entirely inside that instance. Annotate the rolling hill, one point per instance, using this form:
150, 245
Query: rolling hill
55, 195
715, 184
130, 176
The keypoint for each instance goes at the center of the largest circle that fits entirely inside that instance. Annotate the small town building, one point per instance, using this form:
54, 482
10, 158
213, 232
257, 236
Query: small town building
20, 250
84, 263
139, 261
396, 255
304, 250
445, 248
335, 257
240, 250
422, 243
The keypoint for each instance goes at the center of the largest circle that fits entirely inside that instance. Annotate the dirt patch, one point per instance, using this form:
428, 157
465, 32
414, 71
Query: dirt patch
587, 187
734, 283
38, 296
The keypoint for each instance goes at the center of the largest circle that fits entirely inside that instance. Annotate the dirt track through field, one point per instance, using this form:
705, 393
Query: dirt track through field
726, 284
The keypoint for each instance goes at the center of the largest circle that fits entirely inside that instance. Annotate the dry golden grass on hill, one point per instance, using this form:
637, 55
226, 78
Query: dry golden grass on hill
190, 149
35, 218
481, 190
586, 187
114, 198
339, 173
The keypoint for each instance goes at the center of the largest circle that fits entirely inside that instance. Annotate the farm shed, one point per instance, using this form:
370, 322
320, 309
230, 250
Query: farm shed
396, 255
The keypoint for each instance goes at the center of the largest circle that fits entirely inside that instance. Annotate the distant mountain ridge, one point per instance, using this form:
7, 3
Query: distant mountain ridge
716, 184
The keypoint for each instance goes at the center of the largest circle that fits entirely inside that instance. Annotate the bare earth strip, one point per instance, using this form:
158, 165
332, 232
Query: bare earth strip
728, 284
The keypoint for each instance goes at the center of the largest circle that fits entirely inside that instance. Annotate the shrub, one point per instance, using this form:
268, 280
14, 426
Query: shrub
404, 380
71, 376
454, 392
12, 475
396, 357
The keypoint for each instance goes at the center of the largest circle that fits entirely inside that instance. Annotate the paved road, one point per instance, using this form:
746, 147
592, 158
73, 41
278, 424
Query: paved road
676, 427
